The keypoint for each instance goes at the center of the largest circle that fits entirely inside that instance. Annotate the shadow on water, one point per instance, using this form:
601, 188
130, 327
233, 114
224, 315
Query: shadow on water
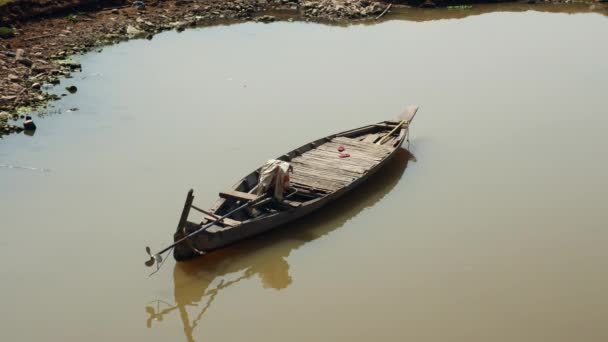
198, 282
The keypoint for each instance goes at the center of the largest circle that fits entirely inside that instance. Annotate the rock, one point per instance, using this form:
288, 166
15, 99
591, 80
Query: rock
8, 98
54, 81
71, 88
29, 124
133, 31
114, 11
70, 63
36, 85
25, 61
139, 4
265, 19
40, 68
4, 116
428, 4
20, 53
15, 87
13, 78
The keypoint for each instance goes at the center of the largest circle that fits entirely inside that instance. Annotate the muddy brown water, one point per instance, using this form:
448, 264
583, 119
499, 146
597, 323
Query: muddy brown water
493, 229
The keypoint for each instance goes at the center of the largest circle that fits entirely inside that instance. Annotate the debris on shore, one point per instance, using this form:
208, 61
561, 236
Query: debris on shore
346, 9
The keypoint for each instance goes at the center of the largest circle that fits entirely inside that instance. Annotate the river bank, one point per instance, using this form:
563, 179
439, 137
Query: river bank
40, 37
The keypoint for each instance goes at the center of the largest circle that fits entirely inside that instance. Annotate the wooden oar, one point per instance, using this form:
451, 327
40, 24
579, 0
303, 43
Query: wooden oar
406, 117
156, 258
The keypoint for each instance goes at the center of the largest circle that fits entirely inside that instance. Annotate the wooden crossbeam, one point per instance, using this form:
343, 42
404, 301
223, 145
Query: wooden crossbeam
239, 195
226, 221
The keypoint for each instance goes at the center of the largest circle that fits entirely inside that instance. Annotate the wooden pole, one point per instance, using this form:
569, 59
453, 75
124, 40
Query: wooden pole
386, 137
384, 12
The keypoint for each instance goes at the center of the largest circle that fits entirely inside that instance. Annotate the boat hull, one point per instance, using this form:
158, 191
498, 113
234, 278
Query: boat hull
206, 241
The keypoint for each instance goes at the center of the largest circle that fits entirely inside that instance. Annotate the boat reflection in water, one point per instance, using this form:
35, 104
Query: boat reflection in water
198, 282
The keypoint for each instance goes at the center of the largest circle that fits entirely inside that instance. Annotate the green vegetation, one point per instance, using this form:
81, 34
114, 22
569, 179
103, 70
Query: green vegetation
460, 7
73, 17
24, 110
4, 2
6, 32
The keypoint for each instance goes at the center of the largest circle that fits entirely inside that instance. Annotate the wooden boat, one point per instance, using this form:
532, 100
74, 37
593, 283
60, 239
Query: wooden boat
319, 176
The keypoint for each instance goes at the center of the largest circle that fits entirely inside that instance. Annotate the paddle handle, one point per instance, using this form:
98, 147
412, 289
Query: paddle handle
388, 135
204, 227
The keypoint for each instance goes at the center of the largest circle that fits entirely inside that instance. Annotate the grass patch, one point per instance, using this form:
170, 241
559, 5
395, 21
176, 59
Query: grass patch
4, 2
6, 32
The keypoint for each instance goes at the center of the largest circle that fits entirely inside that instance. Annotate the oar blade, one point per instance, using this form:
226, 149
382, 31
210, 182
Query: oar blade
152, 260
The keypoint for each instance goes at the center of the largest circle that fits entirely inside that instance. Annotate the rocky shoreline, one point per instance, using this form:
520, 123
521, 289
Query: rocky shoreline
35, 51
37, 54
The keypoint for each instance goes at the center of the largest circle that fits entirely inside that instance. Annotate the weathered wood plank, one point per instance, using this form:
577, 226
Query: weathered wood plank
317, 178
226, 221
317, 182
322, 169
331, 148
371, 138
353, 165
293, 204
239, 195
324, 176
363, 148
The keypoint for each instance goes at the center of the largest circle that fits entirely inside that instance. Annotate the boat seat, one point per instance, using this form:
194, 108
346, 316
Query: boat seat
226, 222
287, 204
293, 204
238, 195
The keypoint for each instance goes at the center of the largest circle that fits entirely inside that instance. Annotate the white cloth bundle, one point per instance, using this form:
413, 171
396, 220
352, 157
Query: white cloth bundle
275, 173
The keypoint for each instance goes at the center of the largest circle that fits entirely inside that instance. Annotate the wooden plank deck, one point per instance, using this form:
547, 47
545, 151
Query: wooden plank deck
322, 169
